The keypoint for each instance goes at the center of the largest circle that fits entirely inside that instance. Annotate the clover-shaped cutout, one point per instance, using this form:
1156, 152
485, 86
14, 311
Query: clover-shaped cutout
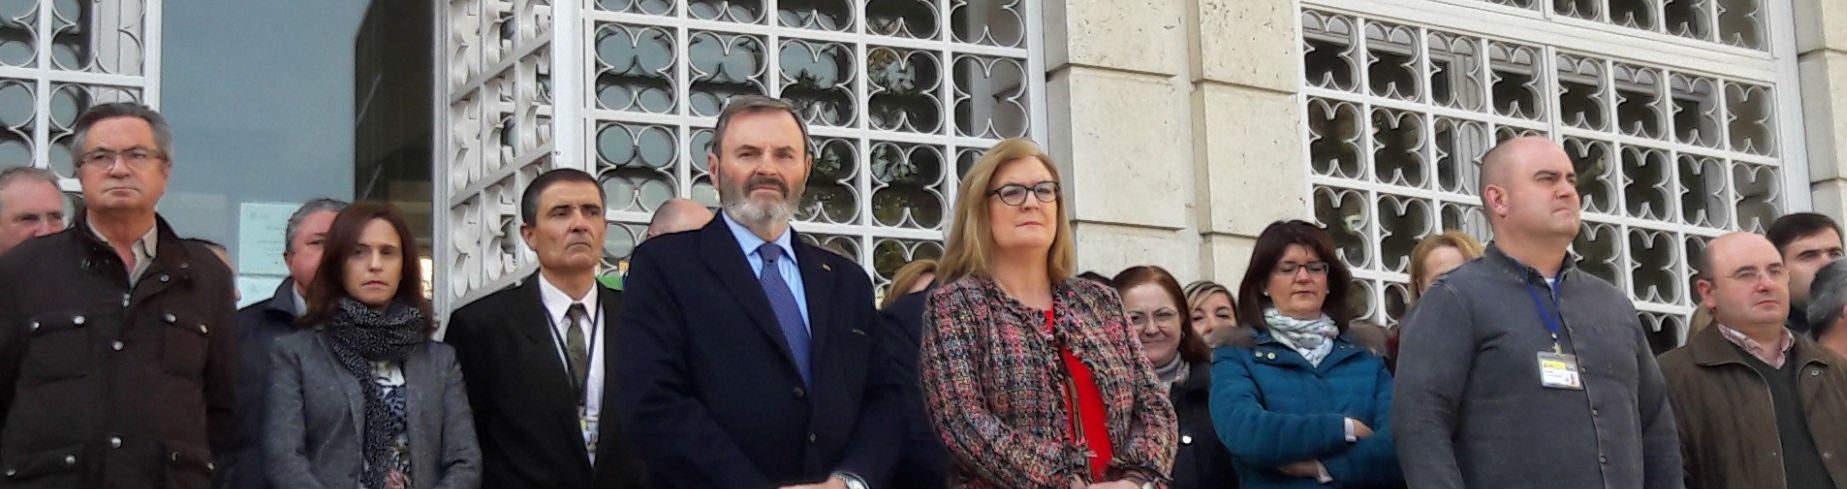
1345, 213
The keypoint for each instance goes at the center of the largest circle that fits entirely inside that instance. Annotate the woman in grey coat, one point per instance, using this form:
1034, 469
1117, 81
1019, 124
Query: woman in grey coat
365, 399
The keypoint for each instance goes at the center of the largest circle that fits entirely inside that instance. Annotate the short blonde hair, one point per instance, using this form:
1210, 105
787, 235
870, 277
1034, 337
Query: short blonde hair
905, 279
1468, 246
969, 251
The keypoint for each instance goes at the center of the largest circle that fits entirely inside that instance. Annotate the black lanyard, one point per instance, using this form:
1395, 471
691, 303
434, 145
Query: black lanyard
1553, 318
596, 325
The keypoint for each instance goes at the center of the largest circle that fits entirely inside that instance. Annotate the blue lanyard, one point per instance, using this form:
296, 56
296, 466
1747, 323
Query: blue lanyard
1550, 316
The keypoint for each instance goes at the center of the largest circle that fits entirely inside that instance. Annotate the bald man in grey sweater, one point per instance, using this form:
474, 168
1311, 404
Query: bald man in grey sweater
1518, 370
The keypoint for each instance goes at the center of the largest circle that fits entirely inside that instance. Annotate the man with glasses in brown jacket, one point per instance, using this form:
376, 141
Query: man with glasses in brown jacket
1757, 406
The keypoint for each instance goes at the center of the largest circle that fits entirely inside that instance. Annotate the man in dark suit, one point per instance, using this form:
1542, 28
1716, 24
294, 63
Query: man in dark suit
747, 358
534, 355
923, 464
258, 326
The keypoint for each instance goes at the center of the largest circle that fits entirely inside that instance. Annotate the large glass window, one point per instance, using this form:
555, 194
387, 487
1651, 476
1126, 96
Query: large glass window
277, 102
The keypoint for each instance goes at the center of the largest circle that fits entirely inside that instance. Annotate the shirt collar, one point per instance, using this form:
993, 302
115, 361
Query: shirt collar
748, 240
1772, 356
557, 303
144, 248
301, 303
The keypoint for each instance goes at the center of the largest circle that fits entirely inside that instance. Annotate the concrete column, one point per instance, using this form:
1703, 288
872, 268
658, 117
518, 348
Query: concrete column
1821, 44
1117, 93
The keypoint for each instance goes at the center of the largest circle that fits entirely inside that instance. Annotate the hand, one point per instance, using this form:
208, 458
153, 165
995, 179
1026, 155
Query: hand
830, 483
395, 480
1306, 468
1121, 484
1360, 430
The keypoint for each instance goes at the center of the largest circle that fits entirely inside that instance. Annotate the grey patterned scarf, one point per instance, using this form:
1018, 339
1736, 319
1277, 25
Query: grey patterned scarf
1313, 338
360, 336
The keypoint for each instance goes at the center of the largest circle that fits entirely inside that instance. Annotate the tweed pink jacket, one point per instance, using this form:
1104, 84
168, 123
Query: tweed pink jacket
994, 386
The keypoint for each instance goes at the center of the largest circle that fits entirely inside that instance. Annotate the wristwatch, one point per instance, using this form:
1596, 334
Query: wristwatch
852, 481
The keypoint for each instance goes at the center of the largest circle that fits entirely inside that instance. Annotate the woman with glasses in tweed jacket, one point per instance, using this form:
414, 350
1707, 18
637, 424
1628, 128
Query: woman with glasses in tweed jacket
1032, 377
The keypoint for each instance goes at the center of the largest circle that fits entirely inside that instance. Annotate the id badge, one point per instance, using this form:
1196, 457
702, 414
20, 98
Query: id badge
1559, 371
588, 423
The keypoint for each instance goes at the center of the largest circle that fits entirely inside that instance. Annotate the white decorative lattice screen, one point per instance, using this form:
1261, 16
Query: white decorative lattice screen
899, 95
1675, 113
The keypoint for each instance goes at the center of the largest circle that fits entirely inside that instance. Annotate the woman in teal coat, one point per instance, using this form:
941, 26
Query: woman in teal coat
1297, 404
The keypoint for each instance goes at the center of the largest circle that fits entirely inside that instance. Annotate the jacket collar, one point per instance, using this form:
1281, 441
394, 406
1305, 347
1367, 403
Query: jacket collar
172, 258
1709, 348
1274, 351
1526, 274
283, 303
1198, 377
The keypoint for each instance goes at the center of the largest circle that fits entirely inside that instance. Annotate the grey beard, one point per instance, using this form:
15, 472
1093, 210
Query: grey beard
750, 214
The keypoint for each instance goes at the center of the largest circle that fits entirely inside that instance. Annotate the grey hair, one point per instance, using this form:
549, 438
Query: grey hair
302, 213
1827, 296
15, 173
163, 133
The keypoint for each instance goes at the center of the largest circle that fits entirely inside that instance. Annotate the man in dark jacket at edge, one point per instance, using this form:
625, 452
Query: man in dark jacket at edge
1519, 370
1807, 242
118, 349
922, 463
258, 326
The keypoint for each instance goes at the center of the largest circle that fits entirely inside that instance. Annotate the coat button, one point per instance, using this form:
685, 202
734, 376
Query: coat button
117, 346
204, 330
1186, 439
799, 393
33, 326
70, 460
175, 456
11, 472
163, 278
1603, 459
77, 320
1593, 411
811, 438
115, 442
169, 318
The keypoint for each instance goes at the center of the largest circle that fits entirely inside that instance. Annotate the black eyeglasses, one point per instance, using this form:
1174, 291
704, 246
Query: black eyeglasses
103, 159
1314, 268
1014, 194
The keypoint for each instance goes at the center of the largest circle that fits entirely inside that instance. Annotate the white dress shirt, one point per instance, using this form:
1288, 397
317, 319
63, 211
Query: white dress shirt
557, 305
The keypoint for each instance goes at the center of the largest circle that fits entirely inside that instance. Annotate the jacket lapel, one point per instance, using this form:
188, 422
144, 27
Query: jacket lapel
1342, 349
355, 394
818, 282
721, 255
420, 380
551, 382
172, 263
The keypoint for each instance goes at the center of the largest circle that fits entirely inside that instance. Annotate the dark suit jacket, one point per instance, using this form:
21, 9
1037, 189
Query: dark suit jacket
704, 377
525, 408
924, 464
313, 435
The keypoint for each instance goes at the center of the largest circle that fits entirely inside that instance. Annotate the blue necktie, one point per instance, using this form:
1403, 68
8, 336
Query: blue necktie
788, 312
